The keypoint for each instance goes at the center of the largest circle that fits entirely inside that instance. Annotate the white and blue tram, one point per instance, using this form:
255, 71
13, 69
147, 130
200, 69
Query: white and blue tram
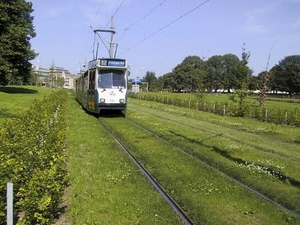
104, 85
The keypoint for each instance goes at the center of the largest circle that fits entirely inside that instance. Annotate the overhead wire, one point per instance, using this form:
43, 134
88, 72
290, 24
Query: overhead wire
97, 12
147, 14
115, 12
103, 40
167, 25
87, 36
99, 35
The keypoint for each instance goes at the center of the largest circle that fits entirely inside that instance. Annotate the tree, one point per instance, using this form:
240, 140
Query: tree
264, 80
16, 30
243, 73
275, 82
185, 76
60, 82
151, 79
160, 83
224, 72
167, 81
242, 80
193, 62
287, 74
229, 80
214, 71
52, 77
194, 68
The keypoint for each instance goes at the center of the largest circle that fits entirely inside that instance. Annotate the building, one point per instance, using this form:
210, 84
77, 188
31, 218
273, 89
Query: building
50, 76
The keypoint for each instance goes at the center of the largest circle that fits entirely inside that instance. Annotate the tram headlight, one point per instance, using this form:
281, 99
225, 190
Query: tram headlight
102, 100
121, 100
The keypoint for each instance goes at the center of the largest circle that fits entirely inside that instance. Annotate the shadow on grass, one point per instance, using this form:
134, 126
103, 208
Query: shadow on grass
17, 90
272, 170
104, 112
4, 113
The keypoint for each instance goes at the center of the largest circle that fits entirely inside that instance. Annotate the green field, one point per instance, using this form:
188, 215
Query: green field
17, 98
106, 188
277, 101
275, 110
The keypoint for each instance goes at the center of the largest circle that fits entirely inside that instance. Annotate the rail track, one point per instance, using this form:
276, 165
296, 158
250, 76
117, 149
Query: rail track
180, 212
248, 188
161, 190
225, 175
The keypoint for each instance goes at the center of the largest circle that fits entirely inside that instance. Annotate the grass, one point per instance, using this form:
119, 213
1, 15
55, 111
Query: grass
17, 98
271, 102
105, 186
246, 124
265, 161
208, 197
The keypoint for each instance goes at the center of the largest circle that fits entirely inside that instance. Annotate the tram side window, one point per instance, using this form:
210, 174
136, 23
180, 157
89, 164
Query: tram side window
85, 82
92, 80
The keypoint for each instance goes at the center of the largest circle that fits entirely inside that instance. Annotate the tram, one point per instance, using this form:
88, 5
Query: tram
104, 85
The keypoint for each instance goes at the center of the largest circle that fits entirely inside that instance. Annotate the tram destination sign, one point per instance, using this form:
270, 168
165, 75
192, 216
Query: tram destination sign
113, 62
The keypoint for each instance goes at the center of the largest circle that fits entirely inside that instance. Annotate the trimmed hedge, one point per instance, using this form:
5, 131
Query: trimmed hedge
274, 115
32, 156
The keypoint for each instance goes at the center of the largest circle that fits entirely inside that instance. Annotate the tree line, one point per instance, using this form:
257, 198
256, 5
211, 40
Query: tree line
227, 73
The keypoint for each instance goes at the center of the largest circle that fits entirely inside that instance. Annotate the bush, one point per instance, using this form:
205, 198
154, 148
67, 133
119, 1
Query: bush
239, 108
33, 158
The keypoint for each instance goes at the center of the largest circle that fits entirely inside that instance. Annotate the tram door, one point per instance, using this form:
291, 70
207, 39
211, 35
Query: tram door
91, 91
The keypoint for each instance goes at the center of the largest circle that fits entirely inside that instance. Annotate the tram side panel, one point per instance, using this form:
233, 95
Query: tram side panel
81, 89
91, 93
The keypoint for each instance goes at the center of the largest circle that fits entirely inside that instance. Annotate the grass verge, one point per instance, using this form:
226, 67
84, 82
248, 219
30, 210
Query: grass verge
268, 163
17, 98
207, 196
105, 186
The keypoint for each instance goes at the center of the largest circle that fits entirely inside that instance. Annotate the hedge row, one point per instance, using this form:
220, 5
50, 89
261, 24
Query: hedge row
32, 157
274, 115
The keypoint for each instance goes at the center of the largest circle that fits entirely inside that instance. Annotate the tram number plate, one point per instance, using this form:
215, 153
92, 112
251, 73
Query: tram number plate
112, 93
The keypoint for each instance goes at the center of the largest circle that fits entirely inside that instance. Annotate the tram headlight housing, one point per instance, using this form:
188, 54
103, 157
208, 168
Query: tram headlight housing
121, 100
102, 100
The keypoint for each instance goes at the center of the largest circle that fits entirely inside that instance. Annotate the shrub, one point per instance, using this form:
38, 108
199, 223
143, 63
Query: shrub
236, 107
33, 158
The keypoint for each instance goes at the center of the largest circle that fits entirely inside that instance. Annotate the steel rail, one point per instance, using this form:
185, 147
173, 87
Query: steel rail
157, 186
222, 173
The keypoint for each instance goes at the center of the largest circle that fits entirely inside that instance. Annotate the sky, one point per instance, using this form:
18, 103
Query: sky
158, 35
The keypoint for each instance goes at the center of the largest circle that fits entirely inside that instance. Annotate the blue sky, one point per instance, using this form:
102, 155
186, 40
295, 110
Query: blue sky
157, 35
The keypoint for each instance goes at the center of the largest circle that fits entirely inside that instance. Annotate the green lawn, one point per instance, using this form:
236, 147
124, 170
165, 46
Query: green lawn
106, 188
17, 98
280, 102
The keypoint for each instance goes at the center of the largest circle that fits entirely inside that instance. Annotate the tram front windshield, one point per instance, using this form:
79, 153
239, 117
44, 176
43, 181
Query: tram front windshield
111, 79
